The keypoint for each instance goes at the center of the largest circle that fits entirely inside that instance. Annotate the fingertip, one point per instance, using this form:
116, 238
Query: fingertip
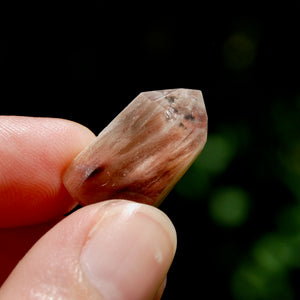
34, 154
131, 238
110, 250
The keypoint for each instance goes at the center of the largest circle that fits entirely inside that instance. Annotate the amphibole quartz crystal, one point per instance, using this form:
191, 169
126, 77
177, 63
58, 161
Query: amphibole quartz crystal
144, 151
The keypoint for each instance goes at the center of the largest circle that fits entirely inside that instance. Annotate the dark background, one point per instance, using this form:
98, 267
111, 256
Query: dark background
237, 210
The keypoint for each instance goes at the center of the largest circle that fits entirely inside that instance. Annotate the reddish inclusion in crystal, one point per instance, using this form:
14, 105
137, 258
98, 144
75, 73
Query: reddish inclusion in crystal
144, 151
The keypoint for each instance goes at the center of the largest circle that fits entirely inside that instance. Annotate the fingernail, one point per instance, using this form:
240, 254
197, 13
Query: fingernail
129, 251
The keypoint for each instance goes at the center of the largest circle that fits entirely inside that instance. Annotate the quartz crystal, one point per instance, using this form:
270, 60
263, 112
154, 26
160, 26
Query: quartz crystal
144, 151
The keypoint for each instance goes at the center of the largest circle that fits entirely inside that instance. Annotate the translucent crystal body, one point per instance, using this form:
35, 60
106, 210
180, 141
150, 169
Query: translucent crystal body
144, 151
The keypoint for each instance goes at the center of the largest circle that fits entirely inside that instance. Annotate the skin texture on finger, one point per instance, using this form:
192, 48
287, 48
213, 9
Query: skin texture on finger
82, 258
15, 242
34, 153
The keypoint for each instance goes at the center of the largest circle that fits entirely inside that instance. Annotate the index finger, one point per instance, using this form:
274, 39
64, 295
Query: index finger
34, 153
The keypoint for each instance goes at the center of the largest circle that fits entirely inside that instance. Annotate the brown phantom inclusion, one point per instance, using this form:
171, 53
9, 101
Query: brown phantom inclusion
144, 151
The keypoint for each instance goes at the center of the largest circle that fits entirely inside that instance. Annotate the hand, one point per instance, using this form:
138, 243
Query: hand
115, 249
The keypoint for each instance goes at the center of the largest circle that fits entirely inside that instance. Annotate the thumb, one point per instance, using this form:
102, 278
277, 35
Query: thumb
115, 250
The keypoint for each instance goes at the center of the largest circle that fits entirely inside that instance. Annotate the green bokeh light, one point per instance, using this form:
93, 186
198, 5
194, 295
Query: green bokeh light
250, 282
217, 154
229, 206
214, 159
273, 253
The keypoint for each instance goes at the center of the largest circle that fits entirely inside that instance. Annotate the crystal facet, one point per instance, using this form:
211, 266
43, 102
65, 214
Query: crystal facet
144, 151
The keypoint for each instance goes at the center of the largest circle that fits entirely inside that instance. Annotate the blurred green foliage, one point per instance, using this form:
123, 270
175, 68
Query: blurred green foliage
215, 158
229, 206
265, 268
